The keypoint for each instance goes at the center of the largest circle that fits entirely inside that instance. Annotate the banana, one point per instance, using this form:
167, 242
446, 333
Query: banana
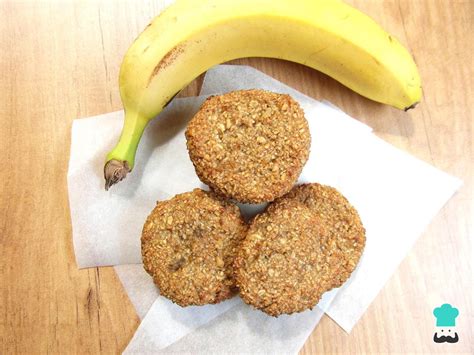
191, 36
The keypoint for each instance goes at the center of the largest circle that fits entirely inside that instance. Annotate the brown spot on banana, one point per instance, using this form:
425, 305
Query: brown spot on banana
167, 60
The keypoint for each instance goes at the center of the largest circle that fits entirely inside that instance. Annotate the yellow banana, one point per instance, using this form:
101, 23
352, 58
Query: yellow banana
191, 36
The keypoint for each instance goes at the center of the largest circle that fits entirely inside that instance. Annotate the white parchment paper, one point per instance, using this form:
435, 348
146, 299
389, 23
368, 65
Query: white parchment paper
242, 330
396, 195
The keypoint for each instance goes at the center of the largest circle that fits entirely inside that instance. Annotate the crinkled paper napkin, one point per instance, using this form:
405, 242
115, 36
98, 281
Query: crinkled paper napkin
396, 195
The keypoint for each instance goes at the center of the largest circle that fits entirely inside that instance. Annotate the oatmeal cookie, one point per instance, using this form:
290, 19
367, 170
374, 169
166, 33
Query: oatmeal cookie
306, 243
189, 244
279, 267
249, 145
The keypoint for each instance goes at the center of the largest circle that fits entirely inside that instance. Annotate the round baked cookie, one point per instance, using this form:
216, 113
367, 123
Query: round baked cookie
344, 240
306, 243
280, 265
189, 244
249, 145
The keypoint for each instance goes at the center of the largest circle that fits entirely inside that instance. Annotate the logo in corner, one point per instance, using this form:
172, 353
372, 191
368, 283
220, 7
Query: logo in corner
445, 324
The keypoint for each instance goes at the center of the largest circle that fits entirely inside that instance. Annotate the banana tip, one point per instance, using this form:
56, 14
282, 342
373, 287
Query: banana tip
411, 106
115, 171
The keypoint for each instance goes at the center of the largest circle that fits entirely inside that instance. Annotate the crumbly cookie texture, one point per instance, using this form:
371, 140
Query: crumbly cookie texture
189, 245
344, 241
280, 267
306, 243
249, 145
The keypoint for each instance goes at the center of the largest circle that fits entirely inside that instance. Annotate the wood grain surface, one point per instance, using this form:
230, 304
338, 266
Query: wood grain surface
59, 60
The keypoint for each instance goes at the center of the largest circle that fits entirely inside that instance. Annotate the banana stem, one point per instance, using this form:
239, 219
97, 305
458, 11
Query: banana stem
115, 171
121, 159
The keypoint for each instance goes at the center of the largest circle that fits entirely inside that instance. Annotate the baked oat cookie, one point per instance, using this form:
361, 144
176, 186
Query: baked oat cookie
306, 243
249, 145
189, 244
344, 241
280, 266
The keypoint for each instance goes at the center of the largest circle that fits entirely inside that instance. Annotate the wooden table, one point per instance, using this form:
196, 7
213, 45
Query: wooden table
60, 61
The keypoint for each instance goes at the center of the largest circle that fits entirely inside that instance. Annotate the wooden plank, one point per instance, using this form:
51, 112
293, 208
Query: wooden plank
60, 60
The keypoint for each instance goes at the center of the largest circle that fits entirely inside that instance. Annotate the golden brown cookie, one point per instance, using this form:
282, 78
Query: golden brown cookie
345, 237
306, 243
279, 266
249, 145
189, 244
